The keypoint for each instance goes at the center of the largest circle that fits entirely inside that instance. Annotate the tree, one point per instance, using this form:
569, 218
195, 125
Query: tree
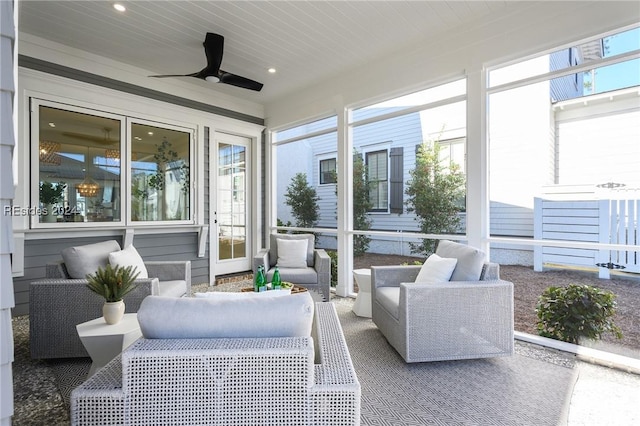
303, 201
361, 204
435, 192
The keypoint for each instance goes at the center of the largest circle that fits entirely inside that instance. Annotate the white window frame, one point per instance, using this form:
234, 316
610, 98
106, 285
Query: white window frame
125, 180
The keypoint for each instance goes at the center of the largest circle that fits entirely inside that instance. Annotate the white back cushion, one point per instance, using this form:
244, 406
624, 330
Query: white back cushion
470, 260
83, 260
199, 318
436, 269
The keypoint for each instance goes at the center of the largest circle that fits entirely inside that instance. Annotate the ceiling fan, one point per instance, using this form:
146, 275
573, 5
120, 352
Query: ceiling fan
213, 47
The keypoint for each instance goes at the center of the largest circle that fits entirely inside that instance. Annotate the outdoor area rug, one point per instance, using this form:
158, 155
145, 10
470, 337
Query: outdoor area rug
515, 390
518, 390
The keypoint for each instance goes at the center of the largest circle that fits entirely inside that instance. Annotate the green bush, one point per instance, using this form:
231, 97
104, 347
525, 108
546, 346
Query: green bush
334, 267
576, 311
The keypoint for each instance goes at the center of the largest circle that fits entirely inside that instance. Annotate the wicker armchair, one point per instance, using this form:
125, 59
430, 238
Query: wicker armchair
316, 276
443, 320
58, 303
222, 381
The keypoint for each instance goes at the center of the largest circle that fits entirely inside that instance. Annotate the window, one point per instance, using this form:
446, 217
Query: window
85, 157
305, 174
159, 173
377, 171
328, 171
79, 171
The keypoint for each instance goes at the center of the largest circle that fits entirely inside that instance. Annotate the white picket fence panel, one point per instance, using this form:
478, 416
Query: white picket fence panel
598, 221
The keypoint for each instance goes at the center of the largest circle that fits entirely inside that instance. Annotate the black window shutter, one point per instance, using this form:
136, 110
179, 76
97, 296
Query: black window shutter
396, 180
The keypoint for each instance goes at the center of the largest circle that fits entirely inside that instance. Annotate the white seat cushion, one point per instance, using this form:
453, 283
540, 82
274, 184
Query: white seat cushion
389, 298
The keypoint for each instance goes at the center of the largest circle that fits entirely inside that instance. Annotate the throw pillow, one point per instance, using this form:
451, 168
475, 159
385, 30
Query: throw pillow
202, 318
470, 260
129, 256
292, 253
231, 295
83, 260
436, 269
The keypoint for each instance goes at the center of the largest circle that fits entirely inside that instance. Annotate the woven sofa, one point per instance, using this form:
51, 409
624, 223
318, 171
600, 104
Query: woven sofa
444, 320
288, 380
58, 302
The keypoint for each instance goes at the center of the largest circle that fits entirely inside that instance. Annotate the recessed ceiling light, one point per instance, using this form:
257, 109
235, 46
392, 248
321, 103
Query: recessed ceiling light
119, 7
52, 124
138, 138
150, 133
272, 70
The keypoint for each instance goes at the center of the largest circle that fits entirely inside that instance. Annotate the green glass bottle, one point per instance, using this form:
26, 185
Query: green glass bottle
276, 283
262, 280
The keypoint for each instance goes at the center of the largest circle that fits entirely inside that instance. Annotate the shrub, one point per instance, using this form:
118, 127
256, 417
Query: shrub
334, 267
576, 311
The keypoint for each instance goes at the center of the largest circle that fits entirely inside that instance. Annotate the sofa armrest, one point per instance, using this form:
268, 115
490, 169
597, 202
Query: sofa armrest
490, 272
392, 276
56, 306
56, 270
471, 318
170, 270
261, 259
336, 388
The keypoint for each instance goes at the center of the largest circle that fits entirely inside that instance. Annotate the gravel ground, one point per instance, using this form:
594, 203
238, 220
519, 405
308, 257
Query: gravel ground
529, 285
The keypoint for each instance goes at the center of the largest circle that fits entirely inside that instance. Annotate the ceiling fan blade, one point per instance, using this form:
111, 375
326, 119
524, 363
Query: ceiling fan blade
213, 49
238, 81
175, 75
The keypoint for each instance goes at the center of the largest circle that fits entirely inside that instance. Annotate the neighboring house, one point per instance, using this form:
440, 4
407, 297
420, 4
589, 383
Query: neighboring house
559, 131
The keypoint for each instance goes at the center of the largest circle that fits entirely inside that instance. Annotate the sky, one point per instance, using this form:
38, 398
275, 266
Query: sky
624, 74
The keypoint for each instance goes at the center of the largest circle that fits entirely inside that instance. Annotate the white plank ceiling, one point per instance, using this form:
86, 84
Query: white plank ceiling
306, 41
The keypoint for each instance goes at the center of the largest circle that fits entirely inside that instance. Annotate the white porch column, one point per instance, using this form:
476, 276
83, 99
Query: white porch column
478, 169
345, 203
7, 89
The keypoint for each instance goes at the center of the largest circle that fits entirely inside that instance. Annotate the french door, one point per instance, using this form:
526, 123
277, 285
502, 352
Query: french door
232, 214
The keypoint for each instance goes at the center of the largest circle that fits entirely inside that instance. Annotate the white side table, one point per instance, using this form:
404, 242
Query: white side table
104, 341
362, 305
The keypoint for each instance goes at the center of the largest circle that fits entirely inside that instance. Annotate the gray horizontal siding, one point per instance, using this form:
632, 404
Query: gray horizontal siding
178, 246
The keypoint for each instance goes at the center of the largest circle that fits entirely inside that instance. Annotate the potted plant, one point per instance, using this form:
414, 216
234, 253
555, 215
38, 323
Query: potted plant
113, 283
50, 194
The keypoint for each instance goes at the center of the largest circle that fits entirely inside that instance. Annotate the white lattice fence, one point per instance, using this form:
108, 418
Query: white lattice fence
619, 225
597, 221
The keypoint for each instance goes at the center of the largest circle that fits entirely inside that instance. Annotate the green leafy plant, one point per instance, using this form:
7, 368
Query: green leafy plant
435, 192
334, 267
113, 283
303, 200
576, 311
52, 193
361, 203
